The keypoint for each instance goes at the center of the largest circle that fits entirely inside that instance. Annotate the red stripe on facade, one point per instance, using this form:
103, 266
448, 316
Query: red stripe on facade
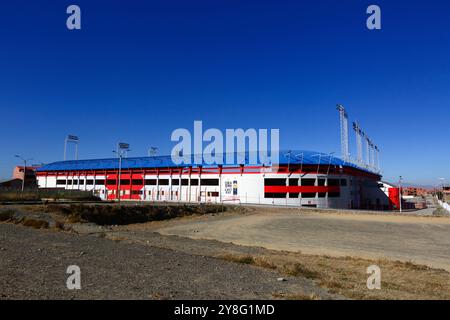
301, 189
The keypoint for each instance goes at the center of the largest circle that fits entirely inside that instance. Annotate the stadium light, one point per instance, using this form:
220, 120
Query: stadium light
71, 139
152, 151
122, 146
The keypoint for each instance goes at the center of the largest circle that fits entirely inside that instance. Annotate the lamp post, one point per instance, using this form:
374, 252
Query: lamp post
442, 186
122, 148
24, 169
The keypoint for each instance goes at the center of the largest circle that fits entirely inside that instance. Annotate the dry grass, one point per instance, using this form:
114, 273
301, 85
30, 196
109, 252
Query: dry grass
298, 296
35, 223
347, 275
59, 225
127, 214
7, 215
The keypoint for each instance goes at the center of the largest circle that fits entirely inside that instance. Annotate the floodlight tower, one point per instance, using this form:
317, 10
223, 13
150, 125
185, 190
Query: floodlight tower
152, 151
122, 146
343, 117
372, 155
358, 134
377, 158
367, 150
71, 139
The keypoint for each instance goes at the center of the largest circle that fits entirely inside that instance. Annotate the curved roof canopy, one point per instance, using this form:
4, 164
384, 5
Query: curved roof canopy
292, 157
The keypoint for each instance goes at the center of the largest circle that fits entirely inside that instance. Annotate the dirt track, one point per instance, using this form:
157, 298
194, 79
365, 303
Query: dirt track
424, 240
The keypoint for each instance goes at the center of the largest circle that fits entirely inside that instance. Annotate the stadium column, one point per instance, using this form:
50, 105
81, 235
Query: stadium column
170, 185
158, 195
220, 183
200, 184
189, 182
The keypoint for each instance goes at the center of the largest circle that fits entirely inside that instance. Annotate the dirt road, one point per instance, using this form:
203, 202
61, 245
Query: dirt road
423, 240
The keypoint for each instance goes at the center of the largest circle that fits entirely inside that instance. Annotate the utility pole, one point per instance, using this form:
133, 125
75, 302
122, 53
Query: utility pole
400, 192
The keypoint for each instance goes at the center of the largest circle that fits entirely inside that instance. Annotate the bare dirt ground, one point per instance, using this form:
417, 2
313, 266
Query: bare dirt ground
238, 254
33, 265
422, 240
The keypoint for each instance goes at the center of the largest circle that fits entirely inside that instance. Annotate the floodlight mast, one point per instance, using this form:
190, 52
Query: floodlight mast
358, 133
71, 139
367, 150
152, 151
124, 148
343, 118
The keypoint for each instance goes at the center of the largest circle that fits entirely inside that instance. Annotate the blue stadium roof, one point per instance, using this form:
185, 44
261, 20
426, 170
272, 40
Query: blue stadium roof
285, 157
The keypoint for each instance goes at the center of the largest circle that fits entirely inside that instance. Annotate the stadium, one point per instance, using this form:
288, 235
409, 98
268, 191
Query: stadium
301, 178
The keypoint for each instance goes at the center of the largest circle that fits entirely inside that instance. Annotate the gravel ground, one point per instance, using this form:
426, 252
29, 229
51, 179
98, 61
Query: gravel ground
33, 265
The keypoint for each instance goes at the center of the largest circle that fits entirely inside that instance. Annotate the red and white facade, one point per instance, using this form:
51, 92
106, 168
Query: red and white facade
306, 185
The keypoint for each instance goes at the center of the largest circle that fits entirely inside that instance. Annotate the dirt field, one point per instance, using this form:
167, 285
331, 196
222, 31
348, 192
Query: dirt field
422, 240
238, 254
33, 265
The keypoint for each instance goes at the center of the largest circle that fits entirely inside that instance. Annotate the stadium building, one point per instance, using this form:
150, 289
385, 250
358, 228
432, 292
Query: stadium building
302, 178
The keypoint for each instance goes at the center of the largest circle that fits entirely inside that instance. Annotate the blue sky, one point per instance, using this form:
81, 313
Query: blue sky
137, 70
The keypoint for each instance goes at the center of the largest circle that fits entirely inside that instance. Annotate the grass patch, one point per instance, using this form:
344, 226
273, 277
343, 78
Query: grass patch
239, 259
7, 215
37, 195
297, 269
297, 296
126, 214
347, 276
35, 223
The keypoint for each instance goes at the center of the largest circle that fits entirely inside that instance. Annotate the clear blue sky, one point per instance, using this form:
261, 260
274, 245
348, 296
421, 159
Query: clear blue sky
140, 69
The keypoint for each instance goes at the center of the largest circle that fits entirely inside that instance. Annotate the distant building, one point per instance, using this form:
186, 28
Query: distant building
414, 191
12, 184
30, 171
17, 177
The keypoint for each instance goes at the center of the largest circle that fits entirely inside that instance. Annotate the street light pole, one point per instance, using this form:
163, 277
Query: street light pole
24, 170
442, 186
121, 148
119, 177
